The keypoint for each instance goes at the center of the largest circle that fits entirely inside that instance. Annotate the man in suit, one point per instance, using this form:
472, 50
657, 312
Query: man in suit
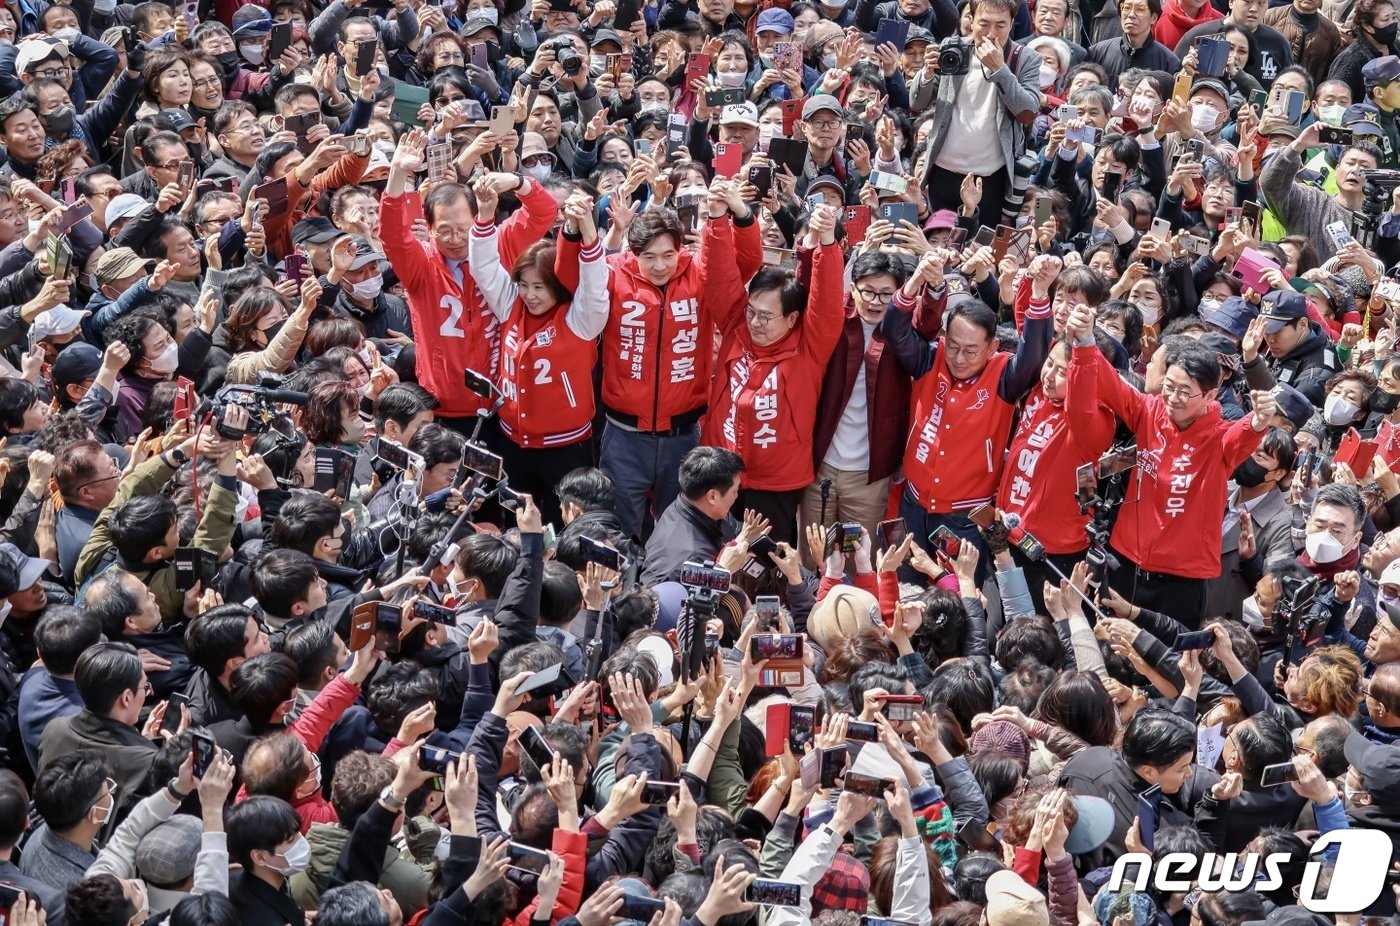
986, 109
1254, 488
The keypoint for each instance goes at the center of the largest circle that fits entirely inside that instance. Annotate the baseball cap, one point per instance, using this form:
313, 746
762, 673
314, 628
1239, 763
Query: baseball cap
775, 20
1379, 766
744, 113
1293, 405
1233, 316
124, 207
1363, 119
828, 181
315, 230
76, 363
942, 219
1379, 71
1210, 83
178, 119
1220, 343
30, 568
1093, 826
919, 34
165, 856
1390, 575
119, 263
250, 20
605, 35
365, 254
819, 102
58, 320
1013, 902
37, 52
475, 24
1283, 307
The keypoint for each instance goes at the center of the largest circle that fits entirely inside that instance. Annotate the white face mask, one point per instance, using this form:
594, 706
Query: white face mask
828, 61
364, 355
1150, 314
1338, 411
1208, 305
298, 858
655, 107
598, 63
1323, 548
66, 35
487, 12
363, 389
1047, 78
1332, 115
368, 289
732, 78
253, 54
1203, 118
168, 361
540, 171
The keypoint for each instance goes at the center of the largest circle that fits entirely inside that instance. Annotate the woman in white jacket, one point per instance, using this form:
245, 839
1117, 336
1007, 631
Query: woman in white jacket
548, 340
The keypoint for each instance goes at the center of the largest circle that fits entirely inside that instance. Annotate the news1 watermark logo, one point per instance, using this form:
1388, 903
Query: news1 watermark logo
1364, 853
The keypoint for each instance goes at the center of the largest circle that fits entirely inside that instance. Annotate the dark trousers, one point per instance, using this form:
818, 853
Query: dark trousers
641, 465
945, 186
922, 524
538, 471
1175, 596
780, 508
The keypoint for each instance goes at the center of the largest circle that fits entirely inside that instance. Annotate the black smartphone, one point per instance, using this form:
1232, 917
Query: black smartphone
861, 732
170, 725
1112, 185
546, 682
364, 57
204, 748
480, 460
975, 835
335, 469
539, 751
9, 894
762, 179
658, 793
773, 893
508, 497
768, 609
519, 852
430, 611
1332, 135
891, 533
1280, 774
1194, 639
640, 909
435, 758
602, 554
760, 549
1147, 814
865, 784
194, 565
278, 41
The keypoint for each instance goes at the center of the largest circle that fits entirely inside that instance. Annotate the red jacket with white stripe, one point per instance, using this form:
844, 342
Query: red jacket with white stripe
453, 329
1039, 482
546, 361
959, 429
1170, 519
764, 402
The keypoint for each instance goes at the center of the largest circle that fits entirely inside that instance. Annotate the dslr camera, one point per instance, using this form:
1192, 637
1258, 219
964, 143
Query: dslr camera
566, 54
954, 56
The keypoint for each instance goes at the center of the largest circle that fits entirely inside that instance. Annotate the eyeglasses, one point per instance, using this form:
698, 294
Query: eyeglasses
450, 58
98, 481
757, 317
1133, 8
1179, 392
537, 159
54, 73
966, 353
870, 295
208, 83
824, 123
173, 165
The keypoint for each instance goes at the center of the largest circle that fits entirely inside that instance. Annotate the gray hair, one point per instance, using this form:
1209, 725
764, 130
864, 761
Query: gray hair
353, 904
1055, 46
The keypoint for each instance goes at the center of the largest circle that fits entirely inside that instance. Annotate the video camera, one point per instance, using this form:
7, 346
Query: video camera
1375, 201
260, 402
1294, 618
705, 582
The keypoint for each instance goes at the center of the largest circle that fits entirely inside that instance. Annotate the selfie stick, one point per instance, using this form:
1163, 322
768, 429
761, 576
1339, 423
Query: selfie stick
826, 493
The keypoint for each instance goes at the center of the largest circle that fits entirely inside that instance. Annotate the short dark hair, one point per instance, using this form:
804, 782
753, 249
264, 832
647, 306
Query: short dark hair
260, 822
1199, 363
105, 672
17, 396
99, 898
216, 636
353, 904
709, 468
140, 525
966, 686
110, 600
651, 224
67, 788
400, 402
312, 647
974, 311
1086, 280
63, 634
1025, 637
1157, 739
436, 445
281, 579
792, 295
303, 520
359, 777
879, 263
1261, 740
261, 684
588, 487
1341, 496
402, 687
14, 809
487, 557
560, 595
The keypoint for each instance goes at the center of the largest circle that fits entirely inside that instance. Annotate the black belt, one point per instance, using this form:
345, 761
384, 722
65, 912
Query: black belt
679, 423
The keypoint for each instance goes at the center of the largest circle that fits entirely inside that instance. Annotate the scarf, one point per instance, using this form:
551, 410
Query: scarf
1329, 570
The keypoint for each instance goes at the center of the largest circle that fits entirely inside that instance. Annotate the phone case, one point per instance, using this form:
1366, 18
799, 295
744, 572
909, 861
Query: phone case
728, 159
1250, 267
1356, 453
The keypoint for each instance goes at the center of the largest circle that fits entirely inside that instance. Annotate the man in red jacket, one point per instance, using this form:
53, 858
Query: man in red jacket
1167, 536
454, 329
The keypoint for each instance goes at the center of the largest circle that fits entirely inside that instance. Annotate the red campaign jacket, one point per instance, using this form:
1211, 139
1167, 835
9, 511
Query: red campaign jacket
658, 344
572, 847
1170, 519
764, 402
452, 327
1039, 482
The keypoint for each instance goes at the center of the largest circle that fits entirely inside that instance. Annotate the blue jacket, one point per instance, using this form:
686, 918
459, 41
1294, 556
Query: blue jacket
42, 700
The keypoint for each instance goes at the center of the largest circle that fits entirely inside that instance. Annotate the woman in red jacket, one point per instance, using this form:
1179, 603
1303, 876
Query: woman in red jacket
763, 404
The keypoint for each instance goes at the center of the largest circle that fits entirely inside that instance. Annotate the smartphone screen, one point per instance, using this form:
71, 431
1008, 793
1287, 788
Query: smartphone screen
170, 724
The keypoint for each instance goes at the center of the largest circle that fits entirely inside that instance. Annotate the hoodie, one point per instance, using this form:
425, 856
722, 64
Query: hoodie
1175, 21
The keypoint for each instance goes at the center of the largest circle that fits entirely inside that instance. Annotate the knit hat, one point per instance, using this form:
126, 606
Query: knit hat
842, 613
1005, 737
844, 886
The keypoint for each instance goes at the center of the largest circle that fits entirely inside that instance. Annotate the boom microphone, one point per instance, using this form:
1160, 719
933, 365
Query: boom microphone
1032, 548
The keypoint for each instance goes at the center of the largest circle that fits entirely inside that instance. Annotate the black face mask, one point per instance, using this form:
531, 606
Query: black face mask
1384, 402
231, 63
1250, 474
1386, 34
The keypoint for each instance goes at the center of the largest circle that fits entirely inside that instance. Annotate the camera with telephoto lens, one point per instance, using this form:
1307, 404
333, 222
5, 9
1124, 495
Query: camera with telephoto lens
954, 57
260, 402
566, 54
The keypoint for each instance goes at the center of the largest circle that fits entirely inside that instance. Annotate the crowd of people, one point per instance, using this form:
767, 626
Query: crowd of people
880, 462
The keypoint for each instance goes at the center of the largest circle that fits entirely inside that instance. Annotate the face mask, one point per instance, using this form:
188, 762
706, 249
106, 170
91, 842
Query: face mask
1386, 34
1332, 115
540, 171
655, 107
1349, 791
168, 360
298, 858
1323, 548
271, 333
1338, 411
828, 61
598, 63
369, 289
1208, 305
833, 4
364, 355
732, 79
488, 13
66, 35
363, 389
230, 62
60, 121
1150, 314
1047, 79
253, 54
1203, 118
100, 815
1249, 474
766, 59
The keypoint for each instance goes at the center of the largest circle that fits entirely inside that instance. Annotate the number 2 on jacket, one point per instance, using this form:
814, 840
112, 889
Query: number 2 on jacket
452, 325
